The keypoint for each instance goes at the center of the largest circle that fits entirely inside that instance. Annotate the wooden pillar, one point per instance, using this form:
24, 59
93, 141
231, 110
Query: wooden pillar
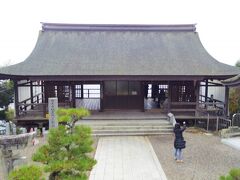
169, 96
82, 91
142, 87
46, 93
197, 89
31, 93
101, 96
42, 90
16, 101
73, 95
226, 109
206, 90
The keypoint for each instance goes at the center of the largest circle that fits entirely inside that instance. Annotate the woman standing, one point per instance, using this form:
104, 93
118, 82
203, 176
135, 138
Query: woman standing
179, 142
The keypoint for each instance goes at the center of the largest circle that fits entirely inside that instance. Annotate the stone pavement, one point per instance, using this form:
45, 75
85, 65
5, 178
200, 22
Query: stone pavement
233, 142
126, 158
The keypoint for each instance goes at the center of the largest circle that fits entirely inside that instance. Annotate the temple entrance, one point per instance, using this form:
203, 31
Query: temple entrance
156, 95
122, 95
162, 96
88, 96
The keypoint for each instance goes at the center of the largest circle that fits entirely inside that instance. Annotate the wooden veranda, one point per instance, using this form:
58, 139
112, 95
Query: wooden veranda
187, 104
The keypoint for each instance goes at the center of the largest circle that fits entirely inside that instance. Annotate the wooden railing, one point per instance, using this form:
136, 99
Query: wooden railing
223, 123
41, 109
23, 105
215, 102
236, 119
218, 120
202, 112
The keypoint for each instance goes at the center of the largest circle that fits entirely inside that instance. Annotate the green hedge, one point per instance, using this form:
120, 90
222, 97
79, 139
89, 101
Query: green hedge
27, 173
234, 174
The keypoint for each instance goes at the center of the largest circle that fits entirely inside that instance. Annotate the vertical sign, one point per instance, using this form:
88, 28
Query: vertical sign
52, 108
8, 131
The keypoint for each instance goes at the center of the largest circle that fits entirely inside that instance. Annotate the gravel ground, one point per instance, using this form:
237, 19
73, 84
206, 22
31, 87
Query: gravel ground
205, 157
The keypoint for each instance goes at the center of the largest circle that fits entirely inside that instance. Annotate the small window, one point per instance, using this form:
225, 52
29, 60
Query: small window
110, 88
134, 88
122, 88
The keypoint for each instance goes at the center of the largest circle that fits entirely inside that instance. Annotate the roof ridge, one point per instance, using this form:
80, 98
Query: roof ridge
118, 27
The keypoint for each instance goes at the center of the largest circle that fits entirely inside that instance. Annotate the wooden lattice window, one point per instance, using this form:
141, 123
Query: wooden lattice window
78, 91
183, 91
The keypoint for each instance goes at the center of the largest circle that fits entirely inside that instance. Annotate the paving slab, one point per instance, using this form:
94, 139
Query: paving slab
233, 142
126, 158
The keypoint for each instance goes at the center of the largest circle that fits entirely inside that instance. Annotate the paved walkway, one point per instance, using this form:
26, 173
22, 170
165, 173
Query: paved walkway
126, 158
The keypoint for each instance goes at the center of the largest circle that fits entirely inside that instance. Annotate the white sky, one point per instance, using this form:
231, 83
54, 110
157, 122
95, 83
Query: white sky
218, 21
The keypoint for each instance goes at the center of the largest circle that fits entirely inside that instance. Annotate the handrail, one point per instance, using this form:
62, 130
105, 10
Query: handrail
234, 119
205, 112
183, 103
208, 98
30, 98
44, 106
227, 122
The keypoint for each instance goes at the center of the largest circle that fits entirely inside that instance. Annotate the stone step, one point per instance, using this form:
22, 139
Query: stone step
97, 127
131, 131
132, 134
126, 116
234, 129
124, 122
121, 127
235, 134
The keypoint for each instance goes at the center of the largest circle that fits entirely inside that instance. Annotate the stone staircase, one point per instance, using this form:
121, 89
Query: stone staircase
232, 131
128, 126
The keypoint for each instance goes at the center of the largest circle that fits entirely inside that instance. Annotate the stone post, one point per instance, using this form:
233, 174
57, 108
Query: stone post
52, 108
14, 129
8, 131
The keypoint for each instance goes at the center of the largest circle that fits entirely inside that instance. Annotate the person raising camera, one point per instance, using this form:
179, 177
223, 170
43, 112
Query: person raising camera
179, 142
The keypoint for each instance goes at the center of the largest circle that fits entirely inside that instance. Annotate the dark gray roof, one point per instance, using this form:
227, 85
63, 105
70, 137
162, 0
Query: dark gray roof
234, 81
73, 49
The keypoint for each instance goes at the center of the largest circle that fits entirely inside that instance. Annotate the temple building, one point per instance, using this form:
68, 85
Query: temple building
119, 67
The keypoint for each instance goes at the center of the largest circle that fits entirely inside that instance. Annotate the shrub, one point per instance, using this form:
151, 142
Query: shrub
27, 173
71, 116
234, 174
9, 114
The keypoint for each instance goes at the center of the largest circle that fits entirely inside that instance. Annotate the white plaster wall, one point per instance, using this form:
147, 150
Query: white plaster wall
24, 92
218, 92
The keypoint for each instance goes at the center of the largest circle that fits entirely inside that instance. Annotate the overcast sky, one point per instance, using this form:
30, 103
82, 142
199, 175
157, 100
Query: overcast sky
218, 21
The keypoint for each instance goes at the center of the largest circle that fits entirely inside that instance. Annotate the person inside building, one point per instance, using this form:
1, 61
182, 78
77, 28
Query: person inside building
161, 97
212, 101
154, 91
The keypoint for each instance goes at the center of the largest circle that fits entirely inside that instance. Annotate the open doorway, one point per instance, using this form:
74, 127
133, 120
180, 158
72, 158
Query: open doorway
88, 96
156, 96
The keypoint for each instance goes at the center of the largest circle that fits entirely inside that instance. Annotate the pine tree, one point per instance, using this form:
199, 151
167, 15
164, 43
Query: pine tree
66, 156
